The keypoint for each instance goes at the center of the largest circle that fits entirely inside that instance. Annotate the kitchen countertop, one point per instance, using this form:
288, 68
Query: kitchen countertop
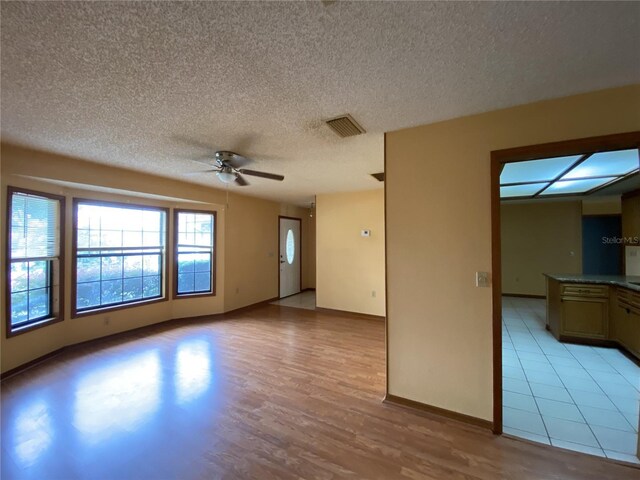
616, 280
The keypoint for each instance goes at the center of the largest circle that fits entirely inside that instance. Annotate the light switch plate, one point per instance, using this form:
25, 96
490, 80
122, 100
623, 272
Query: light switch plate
482, 279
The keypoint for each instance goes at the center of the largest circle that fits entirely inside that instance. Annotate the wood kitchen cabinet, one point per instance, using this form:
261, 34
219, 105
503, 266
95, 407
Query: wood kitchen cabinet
584, 317
605, 314
584, 311
626, 319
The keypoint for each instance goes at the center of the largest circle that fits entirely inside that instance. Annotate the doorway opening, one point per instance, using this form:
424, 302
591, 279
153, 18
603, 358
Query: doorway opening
565, 367
600, 258
290, 256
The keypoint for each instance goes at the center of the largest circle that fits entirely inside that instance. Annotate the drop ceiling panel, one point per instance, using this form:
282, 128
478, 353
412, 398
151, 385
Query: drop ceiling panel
616, 163
575, 186
521, 190
536, 170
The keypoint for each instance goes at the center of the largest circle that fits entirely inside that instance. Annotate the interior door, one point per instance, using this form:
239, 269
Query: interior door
290, 261
600, 257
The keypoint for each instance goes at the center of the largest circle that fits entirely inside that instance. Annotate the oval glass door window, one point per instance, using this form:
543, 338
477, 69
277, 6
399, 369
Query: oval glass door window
291, 247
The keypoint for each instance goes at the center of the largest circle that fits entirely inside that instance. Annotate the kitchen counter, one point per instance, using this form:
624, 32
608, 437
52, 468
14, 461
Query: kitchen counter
630, 282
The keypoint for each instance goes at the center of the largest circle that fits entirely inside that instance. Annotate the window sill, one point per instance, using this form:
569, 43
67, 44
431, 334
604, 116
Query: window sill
101, 310
13, 332
180, 296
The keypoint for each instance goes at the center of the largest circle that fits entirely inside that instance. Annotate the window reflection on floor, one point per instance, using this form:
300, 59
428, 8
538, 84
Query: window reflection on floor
32, 431
193, 374
118, 397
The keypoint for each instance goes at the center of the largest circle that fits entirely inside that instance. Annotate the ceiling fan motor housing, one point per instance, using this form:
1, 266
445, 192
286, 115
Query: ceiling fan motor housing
225, 155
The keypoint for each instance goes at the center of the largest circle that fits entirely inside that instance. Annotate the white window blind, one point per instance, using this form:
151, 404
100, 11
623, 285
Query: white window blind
34, 224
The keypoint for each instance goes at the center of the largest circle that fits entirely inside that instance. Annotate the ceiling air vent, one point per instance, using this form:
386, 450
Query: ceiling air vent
378, 176
345, 126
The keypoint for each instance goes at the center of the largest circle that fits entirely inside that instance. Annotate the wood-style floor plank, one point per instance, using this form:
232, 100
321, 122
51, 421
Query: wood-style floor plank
267, 393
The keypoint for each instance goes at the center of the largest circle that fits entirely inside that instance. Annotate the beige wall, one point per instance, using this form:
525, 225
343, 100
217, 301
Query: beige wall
251, 251
247, 268
310, 275
350, 267
631, 216
537, 238
602, 206
439, 234
253, 225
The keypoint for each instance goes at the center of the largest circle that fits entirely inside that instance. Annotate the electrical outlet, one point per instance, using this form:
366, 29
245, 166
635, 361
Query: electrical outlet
237, 290
107, 321
482, 279
373, 294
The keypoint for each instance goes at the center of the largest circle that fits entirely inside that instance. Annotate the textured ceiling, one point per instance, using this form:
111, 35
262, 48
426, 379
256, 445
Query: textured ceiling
149, 85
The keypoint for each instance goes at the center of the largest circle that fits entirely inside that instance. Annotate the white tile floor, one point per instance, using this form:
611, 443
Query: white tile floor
572, 396
306, 300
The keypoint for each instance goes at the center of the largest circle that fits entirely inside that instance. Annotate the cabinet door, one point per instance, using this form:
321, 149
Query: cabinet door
553, 307
584, 317
628, 331
618, 321
629, 334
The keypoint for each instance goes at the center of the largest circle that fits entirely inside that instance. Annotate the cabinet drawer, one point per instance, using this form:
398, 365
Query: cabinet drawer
582, 290
628, 299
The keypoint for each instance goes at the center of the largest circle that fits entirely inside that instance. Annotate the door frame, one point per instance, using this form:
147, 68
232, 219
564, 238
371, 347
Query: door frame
519, 154
280, 218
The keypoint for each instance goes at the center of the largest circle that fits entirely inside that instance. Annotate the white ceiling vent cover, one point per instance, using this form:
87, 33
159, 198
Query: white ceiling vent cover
345, 126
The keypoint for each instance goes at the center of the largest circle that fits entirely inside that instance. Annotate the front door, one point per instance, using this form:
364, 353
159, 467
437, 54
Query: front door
289, 256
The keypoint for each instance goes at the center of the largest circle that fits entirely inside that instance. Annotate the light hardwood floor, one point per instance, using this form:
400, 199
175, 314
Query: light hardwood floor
270, 392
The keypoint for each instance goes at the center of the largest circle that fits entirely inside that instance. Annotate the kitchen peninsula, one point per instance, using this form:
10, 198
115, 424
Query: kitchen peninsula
595, 309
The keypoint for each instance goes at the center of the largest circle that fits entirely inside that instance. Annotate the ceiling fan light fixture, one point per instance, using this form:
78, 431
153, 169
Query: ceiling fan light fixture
226, 176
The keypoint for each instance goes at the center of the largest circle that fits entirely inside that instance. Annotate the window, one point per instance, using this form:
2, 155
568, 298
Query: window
195, 252
290, 247
35, 260
120, 253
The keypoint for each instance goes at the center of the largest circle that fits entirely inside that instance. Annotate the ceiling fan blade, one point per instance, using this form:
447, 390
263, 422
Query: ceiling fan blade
239, 161
200, 172
254, 173
240, 181
206, 159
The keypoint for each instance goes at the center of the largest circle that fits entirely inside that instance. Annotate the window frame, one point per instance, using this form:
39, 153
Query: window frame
74, 259
214, 254
57, 314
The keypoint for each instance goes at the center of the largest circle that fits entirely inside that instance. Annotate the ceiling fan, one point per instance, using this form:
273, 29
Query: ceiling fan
227, 166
